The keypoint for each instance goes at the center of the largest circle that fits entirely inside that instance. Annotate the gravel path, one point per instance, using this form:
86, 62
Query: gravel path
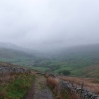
41, 89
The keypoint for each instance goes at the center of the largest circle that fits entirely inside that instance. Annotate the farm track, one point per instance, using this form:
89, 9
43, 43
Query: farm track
39, 90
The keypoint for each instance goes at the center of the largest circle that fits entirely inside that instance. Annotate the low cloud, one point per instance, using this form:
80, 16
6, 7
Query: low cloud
44, 24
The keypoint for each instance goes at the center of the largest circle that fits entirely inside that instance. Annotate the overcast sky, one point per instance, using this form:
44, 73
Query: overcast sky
49, 23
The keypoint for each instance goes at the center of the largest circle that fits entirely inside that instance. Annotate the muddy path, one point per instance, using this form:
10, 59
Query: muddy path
39, 90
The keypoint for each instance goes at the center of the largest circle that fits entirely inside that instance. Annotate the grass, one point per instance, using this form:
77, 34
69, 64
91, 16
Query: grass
15, 86
54, 84
92, 71
78, 63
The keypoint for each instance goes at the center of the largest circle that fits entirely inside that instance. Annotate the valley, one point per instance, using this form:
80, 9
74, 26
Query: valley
79, 61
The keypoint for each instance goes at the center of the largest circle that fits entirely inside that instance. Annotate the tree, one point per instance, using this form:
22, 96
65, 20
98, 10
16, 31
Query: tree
64, 72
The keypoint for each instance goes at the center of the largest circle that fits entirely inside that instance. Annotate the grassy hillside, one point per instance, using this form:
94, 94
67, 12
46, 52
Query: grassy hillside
77, 60
14, 84
15, 56
91, 71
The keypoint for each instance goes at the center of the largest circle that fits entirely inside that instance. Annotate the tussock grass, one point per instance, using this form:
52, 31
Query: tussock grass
54, 83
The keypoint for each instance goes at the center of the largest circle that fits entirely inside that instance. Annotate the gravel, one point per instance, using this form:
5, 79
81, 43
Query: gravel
44, 94
41, 89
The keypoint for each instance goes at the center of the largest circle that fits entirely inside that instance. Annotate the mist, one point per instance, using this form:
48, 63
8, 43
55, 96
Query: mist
49, 24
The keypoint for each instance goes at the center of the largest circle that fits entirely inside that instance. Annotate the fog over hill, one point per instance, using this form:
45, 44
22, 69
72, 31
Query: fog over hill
15, 54
50, 34
14, 47
73, 49
47, 25
90, 49
77, 59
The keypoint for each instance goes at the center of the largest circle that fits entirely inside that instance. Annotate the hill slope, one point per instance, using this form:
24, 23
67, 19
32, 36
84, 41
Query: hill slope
78, 60
18, 55
15, 56
91, 71
75, 59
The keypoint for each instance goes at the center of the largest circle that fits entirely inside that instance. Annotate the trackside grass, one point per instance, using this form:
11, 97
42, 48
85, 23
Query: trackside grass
15, 86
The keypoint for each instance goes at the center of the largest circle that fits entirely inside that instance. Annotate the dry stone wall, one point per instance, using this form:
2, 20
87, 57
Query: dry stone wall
80, 91
10, 68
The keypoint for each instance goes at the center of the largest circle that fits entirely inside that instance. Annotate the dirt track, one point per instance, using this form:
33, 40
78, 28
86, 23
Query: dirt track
39, 90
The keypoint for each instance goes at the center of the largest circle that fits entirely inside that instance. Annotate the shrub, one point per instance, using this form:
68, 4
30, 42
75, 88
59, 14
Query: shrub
64, 72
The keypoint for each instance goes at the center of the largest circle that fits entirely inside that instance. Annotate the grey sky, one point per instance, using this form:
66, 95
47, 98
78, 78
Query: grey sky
49, 23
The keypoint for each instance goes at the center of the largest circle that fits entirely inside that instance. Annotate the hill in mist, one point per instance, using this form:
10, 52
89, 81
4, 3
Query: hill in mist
77, 59
18, 55
14, 54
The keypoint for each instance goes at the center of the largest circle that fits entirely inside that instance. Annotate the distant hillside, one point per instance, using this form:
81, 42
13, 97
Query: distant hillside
22, 49
83, 50
91, 71
2, 64
11, 54
78, 60
15, 47
15, 56
18, 55
75, 59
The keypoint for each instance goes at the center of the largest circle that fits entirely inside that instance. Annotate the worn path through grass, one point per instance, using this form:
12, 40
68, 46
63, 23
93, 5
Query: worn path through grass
41, 89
